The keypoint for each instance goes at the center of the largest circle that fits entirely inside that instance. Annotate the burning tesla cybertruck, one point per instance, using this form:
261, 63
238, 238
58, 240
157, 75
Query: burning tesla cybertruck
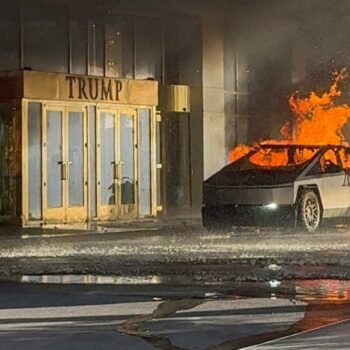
287, 184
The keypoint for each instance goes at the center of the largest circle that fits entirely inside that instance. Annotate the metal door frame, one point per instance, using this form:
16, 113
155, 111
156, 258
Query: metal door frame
116, 211
64, 214
83, 106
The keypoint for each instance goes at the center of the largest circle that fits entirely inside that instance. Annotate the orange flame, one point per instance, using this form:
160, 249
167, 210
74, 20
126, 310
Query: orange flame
317, 121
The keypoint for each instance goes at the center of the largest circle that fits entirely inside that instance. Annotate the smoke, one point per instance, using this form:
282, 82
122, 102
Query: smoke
288, 45
319, 28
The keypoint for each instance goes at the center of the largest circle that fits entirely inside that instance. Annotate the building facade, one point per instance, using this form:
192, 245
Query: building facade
117, 110
100, 112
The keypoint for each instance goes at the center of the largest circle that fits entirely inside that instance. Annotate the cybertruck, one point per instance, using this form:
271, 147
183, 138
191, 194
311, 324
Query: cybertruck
289, 184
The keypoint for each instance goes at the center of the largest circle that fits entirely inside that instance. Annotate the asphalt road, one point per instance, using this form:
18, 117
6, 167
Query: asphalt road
168, 288
182, 254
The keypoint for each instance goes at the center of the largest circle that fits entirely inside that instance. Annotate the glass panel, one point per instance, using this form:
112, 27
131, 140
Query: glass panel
159, 188
159, 143
230, 120
96, 45
45, 36
230, 61
182, 54
78, 43
119, 47
9, 35
242, 129
107, 153
145, 161
34, 160
127, 159
92, 160
54, 158
178, 160
148, 49
76, 159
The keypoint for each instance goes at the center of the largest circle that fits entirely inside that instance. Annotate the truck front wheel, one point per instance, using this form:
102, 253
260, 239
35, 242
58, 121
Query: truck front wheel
310, 212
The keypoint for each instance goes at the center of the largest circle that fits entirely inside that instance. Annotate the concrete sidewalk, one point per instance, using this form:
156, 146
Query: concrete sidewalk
336, 336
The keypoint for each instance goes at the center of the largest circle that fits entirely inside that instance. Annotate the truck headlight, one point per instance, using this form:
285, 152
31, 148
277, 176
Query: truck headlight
271, 206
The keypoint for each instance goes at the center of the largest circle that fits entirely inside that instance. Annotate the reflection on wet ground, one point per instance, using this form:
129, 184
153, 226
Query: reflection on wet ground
91, 279
328, 301
303, 290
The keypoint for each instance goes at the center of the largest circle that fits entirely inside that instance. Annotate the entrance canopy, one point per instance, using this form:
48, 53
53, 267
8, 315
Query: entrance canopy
65, 87
88, 146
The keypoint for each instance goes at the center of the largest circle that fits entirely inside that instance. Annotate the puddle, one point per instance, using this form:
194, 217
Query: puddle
327, 301
302, 290
326, 290
311, 290
91, 279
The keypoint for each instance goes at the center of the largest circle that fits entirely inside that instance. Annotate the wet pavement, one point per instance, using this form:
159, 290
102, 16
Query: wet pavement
169, 288
185, 253
336, 336
128, 316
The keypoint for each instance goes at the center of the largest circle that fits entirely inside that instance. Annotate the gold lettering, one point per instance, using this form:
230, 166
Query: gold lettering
119, 87
106, 93
93, 92
70, 79
82, 92
88, 88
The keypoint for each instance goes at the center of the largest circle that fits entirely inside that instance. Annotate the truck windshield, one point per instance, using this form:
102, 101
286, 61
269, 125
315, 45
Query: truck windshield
276, 157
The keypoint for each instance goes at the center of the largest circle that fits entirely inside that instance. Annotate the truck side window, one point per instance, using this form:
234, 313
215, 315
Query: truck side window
328, 164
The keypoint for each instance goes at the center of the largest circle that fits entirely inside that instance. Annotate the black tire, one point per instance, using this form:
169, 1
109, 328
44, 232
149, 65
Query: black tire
310, 211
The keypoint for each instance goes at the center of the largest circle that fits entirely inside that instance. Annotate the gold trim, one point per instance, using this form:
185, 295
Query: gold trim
87, 88
65, 213
25, 205
70, 214
154, 160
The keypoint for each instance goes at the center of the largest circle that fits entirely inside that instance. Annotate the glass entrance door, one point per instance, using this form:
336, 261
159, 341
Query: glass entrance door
64, 164
116, 164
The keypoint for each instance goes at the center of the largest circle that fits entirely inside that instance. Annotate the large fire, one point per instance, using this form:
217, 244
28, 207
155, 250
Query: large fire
318, 120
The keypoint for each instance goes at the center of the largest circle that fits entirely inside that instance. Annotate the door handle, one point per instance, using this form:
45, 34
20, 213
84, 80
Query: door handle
64, 170
116, 169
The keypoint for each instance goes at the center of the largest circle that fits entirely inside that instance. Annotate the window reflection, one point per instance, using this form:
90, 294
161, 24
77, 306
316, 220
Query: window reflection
182, 54
145, 161
178, 160
96, 44
119, 47
127, 159
9, 35
78, 34
107, 158
148, 48
45, 31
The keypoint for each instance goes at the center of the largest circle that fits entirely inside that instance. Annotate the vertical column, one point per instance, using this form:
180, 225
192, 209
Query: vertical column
213, 97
